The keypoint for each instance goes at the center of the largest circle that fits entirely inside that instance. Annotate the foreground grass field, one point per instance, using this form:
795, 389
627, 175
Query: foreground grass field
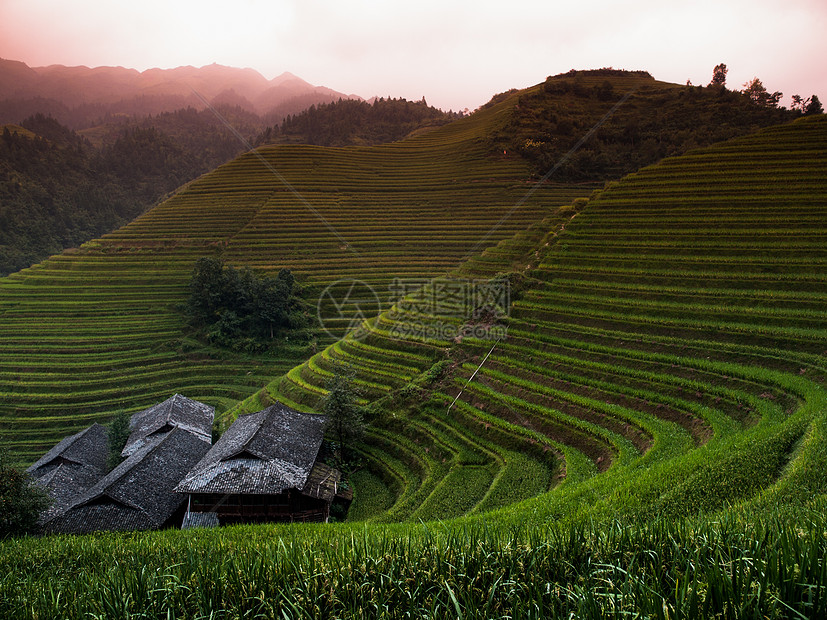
738, 565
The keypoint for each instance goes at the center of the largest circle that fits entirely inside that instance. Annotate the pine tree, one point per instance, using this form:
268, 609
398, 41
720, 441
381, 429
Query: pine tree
814, 107
118, 434
345, 417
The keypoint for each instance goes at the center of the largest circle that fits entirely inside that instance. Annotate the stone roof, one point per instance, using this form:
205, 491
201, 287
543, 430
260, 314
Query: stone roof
265, 452
139, 493
89, 447
72, 467
65, 483
175, 412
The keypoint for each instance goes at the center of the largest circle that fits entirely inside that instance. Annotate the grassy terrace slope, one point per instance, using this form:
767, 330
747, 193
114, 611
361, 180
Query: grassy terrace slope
94, 330
672, 335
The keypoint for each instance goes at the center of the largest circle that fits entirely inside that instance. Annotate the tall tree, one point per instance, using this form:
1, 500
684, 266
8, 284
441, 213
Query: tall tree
759, 95
799, 103
345, 416
814, 107
118, 434
206, 288
719, 75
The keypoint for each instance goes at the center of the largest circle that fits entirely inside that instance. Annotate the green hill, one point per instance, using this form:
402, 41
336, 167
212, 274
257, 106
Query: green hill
100, 328
659, 120
352, 122
58, 191
664, 370
67, 188
674, 329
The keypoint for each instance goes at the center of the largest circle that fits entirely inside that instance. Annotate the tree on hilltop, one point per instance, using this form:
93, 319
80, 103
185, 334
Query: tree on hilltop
719, 75
810, 105
814, 106
759, 95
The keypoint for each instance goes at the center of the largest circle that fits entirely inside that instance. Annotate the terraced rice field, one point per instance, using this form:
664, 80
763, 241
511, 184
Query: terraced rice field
98, 329
671, 337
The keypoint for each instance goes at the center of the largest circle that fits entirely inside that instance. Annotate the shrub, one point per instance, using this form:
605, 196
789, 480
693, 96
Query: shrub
21, 501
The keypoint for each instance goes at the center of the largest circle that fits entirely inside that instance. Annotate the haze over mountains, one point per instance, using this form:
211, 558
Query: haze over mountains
80, 96
83, 151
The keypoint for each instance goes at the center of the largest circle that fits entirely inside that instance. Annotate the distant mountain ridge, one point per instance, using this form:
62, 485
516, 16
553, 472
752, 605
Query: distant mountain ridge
25, 90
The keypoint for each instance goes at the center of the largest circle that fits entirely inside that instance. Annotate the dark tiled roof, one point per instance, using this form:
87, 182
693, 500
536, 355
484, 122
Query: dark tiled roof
176, 411
88, 447
65, 483
262, 453
138, 494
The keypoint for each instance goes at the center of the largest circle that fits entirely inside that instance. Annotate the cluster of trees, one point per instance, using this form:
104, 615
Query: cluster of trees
51, 194
759, 95
199, 134
810, 105
349, 121
658, 121
243, 310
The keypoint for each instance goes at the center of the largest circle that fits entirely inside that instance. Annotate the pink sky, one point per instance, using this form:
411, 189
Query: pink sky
456, 54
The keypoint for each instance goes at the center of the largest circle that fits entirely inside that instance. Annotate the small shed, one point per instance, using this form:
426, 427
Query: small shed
264, 468
175, 412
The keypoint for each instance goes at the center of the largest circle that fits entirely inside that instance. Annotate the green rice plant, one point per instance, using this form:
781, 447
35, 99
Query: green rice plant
371, 496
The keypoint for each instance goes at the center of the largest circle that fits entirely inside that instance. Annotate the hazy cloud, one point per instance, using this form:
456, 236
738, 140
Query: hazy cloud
457, 54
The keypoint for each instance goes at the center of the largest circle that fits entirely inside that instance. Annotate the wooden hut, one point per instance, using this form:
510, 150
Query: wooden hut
264, 468
165, 441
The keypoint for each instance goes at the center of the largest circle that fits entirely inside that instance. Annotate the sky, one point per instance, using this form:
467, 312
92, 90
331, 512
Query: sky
456, 54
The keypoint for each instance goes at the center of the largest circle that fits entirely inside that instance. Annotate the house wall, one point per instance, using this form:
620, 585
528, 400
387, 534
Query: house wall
285, 507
